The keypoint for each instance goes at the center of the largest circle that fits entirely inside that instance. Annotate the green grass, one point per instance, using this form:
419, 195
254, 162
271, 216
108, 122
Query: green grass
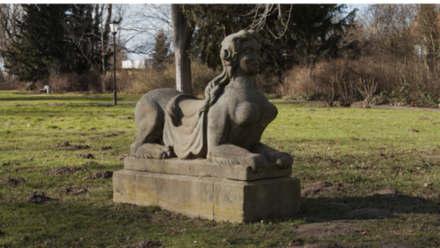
29, 98
369, 148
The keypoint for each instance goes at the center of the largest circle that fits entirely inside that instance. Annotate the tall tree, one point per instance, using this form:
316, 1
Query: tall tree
57, 37
428, 23
290, 33
40, 41
182, 40
9, 15
161, 49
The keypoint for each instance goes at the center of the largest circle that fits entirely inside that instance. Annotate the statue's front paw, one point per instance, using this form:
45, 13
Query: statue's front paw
149, 150
284, 160
161, 152
256, 161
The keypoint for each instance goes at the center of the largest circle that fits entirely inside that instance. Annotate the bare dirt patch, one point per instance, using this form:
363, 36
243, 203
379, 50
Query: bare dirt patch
105, 136
14, 181
89, 163
334, 162
9, 163
109, 135
412, 130
62, 170
78, 147
384, 244
122, 157
315, 189
38, 198
372, 212
73, 191
104, 148
320, 245
340, 206
66, 144
385, 192
85, 155
323, 230
393, 245
146, 244
97, 187
126, 118
105, 174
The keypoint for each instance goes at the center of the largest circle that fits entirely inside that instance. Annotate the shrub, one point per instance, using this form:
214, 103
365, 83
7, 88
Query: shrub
10, 82
141, 81
395, 82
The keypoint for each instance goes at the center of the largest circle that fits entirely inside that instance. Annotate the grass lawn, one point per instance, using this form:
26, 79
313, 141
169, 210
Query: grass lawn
29, 98
370, 149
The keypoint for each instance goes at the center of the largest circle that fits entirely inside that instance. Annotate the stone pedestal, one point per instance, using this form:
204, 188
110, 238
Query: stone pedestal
198, 188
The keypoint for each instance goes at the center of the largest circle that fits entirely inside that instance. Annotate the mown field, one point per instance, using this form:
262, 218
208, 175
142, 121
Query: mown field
381, 171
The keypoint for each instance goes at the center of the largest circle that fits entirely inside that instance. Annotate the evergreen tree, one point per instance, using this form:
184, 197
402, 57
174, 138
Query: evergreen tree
41, 41
161, 49
313, 31
49, 34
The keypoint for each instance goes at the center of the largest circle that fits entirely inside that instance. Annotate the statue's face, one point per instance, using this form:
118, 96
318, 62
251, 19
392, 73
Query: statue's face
249, 59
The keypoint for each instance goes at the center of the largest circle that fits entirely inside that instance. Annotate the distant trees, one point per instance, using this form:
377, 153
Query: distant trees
56, 38
161, 50
9, 15
39, 41
291, 34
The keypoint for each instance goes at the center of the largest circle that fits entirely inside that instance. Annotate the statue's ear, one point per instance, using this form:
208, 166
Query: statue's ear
225, 54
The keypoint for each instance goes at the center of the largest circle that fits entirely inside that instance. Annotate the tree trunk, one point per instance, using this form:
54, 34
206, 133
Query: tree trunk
182, 40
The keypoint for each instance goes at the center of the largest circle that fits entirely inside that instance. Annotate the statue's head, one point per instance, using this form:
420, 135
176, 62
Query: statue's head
241, 49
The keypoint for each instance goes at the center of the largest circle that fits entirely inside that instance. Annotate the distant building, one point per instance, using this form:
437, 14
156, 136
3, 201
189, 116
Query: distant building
136, 64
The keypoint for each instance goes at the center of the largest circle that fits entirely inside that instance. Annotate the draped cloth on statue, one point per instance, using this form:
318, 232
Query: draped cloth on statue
185, 127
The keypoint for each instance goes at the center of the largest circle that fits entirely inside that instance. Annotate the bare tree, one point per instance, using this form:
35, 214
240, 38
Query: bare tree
262, 11
142, 22
388, 30
10, 15
367, 87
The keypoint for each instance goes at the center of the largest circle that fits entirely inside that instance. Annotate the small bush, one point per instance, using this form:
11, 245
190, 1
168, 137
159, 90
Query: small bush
10, 82
141, 81
394, 82
71, 82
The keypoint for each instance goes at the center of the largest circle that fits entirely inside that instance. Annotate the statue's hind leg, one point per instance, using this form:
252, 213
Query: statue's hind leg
149, 119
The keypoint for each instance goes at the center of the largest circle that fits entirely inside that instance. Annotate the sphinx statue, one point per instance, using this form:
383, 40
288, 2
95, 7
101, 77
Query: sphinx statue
225, 127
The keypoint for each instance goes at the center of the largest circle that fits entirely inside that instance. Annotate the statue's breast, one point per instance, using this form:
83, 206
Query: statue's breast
270, 112
246, 113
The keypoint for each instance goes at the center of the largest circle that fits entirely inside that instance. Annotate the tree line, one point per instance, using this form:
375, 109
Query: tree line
40, 39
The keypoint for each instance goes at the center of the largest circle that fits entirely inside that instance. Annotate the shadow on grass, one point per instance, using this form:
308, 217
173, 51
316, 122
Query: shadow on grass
350, 208
69, 222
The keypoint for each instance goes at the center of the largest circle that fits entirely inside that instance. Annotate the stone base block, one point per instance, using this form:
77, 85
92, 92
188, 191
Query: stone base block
202, 167
208, 197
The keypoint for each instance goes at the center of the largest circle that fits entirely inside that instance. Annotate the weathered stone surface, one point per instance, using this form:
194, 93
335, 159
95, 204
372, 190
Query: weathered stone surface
208, 197
225, 127
237, 177
204, 168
